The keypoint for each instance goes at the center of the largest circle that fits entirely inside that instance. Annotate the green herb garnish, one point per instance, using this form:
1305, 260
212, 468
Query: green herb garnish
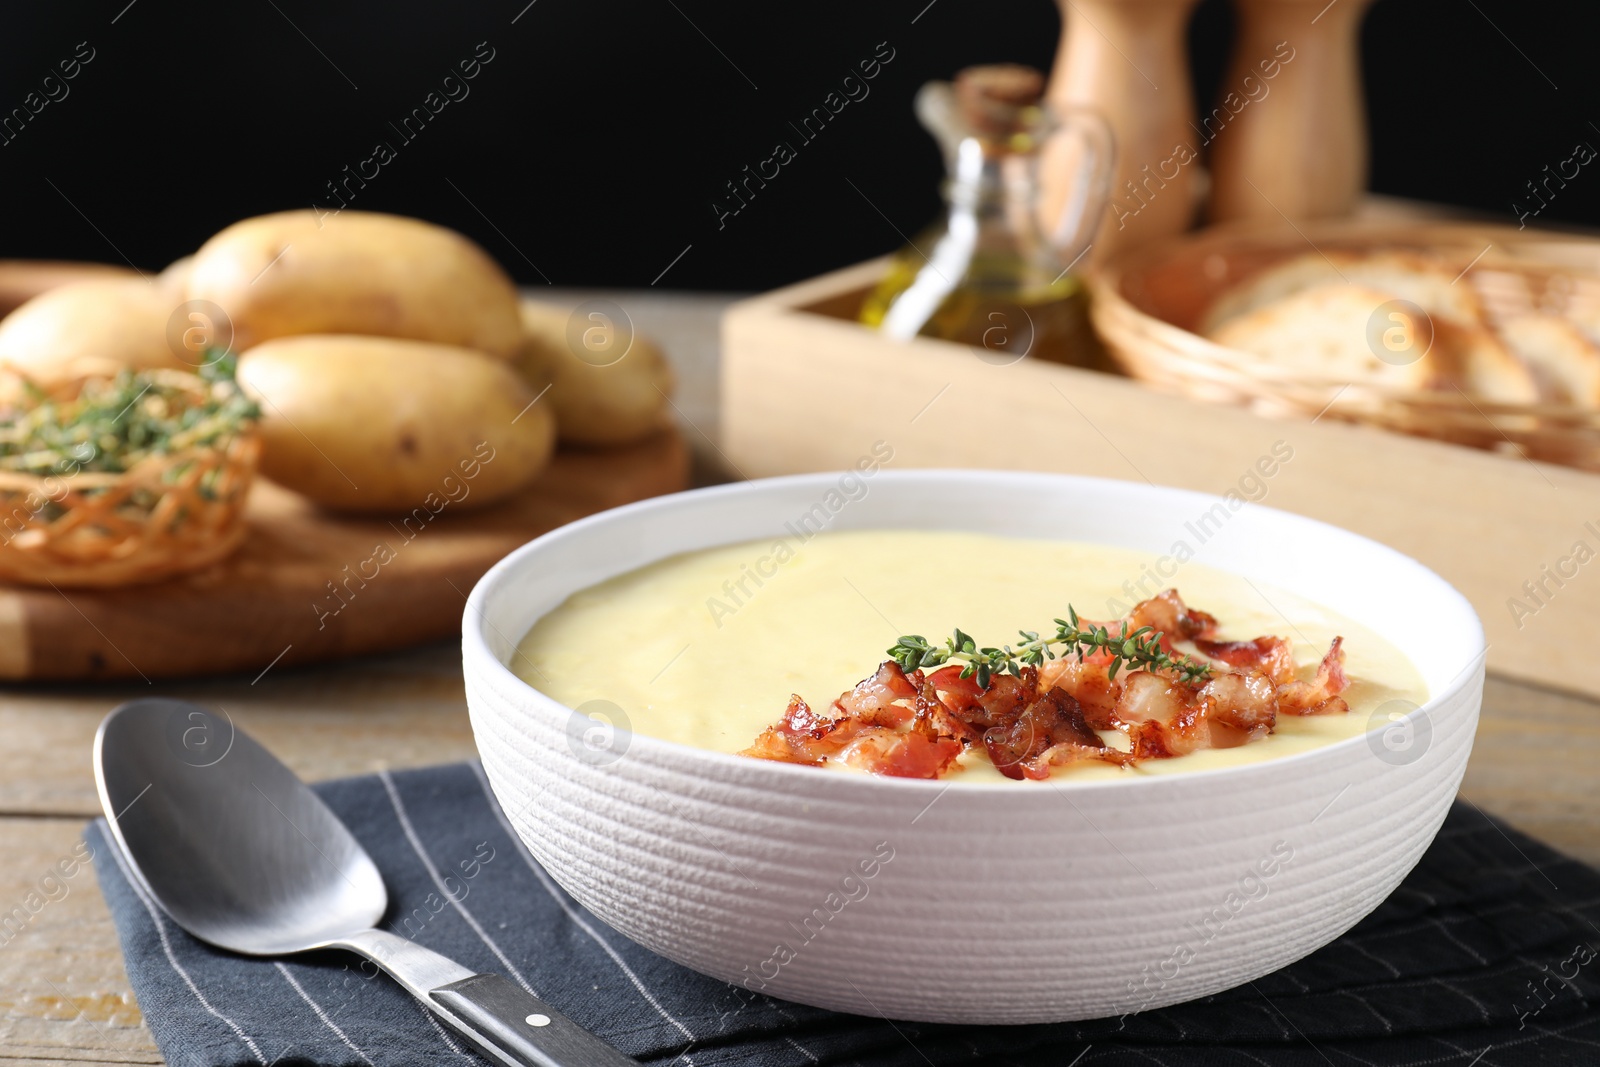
1141, 648
115, 423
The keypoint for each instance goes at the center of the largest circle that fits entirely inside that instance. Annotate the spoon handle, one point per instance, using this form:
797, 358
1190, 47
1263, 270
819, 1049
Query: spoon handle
508, 1024
521, 1025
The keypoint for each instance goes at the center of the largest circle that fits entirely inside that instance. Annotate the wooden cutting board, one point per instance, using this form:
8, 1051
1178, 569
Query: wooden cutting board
306, 586
23, 279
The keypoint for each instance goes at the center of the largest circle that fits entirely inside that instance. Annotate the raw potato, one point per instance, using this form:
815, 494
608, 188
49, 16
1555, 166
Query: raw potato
595, 405
379, 425
356, 272
174, 281
89, 327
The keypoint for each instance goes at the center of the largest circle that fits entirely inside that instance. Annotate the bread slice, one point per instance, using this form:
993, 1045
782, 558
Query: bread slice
1475, 360
1428, 283
1323, 333
1273, 284
1565, 363
1585, 315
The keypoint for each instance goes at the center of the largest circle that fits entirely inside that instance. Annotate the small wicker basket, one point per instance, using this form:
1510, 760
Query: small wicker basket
168, 514
1147, 302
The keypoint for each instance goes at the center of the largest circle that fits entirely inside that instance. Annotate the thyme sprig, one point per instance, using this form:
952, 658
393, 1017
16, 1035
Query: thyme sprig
1140, 649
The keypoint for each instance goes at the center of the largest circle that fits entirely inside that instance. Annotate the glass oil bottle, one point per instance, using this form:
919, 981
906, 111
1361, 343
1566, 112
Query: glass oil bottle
992, 274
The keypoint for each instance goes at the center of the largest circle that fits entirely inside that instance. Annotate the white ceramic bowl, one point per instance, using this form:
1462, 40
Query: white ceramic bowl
960, 902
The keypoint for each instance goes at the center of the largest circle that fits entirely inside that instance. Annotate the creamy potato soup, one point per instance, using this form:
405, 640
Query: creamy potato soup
707, 648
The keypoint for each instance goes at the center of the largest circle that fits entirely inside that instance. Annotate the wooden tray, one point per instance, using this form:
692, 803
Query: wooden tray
295, 591
806, 388
23, 279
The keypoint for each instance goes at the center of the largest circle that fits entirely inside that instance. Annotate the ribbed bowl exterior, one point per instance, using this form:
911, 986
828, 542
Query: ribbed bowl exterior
953, 902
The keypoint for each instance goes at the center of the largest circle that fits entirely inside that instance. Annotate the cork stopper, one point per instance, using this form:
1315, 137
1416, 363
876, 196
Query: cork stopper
997, 100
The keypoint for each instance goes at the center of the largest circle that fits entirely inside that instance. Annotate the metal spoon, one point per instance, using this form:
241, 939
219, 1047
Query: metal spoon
242, 855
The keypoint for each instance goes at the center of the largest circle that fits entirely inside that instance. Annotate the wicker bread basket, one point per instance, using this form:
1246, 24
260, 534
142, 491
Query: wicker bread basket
1148, 301
168, 514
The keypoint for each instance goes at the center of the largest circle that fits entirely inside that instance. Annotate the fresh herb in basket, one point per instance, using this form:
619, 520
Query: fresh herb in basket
109, 481
113, 424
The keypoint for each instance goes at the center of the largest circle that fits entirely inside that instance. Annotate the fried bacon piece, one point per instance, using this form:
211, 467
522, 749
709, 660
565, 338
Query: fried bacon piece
1168, 718
799, 737
1320, 696
1271, 656
876, 700
1167, 613
1246, 703
873, 730
1089, 682
1050, 730
907, 755
1005, 699
916, 725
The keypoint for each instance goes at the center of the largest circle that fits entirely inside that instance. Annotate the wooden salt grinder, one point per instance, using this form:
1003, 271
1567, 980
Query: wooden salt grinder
1127, 59
1301, 148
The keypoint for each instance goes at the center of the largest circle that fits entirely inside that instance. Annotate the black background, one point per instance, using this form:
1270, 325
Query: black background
590, 149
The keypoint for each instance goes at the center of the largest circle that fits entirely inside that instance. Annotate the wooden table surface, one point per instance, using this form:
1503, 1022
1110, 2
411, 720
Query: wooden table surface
64, 997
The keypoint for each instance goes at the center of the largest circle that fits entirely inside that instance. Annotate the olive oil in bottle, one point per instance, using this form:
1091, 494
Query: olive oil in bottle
989, 276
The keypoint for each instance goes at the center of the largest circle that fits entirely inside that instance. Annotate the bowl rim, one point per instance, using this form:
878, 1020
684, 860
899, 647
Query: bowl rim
476, 651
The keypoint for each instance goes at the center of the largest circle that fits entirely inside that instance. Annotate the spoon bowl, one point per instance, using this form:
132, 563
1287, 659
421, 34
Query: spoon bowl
240, 853
181, 785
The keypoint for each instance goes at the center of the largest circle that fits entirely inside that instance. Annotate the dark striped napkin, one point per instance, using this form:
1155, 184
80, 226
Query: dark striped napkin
1484, 956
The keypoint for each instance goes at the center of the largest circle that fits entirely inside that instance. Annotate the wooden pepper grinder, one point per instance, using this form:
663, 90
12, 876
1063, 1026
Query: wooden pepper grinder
1127, 59
1291, 139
